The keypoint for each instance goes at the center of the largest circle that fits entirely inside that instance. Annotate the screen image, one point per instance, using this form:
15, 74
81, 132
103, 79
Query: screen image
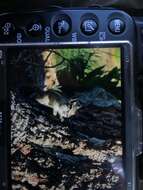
66, 119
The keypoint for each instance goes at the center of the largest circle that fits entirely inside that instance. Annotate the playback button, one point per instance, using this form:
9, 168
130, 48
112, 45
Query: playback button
117, 26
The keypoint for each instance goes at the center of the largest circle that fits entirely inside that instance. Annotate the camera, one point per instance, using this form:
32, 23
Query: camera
70, 99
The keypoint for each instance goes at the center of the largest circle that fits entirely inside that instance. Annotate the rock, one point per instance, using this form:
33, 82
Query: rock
98, 97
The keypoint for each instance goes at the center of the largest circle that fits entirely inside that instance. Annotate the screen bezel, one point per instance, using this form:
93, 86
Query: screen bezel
128, 105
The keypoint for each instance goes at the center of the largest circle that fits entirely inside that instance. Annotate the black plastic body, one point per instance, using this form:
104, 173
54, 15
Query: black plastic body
126, 41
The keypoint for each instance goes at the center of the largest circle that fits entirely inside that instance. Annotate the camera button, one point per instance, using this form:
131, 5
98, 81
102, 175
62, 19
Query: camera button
89, 27
34, 29
7, 29
62, 27
116, 26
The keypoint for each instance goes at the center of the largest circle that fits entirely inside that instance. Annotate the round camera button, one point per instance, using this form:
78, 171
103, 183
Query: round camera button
117, 26
89, 27
62, 27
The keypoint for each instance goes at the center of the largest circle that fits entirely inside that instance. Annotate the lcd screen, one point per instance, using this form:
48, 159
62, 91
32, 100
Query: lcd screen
66, 118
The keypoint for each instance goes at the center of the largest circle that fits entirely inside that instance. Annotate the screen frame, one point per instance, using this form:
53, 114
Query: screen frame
129, 107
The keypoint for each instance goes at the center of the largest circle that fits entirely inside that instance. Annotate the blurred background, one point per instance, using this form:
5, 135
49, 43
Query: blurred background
38, 4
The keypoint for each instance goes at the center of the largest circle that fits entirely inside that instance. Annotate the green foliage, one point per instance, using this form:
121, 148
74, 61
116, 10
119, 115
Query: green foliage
107, 80
84, 67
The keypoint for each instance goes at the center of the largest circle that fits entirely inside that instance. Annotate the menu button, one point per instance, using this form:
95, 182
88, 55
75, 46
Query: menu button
116, 26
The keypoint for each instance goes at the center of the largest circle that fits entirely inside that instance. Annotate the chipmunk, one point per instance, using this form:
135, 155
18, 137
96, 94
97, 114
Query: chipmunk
61, 105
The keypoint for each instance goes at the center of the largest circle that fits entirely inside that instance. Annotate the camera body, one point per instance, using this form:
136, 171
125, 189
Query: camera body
80, 28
